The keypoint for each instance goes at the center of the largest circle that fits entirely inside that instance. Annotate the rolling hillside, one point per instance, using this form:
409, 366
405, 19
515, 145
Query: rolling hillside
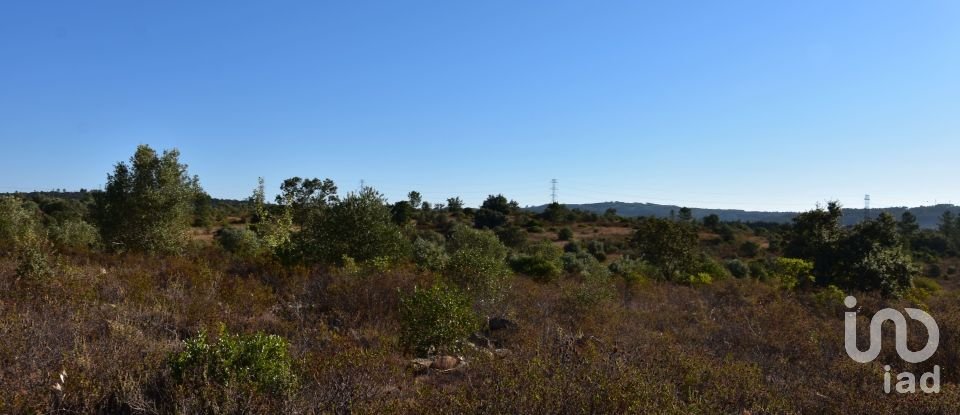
927, 216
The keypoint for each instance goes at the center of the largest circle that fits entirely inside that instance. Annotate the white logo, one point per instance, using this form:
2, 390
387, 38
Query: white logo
906, 380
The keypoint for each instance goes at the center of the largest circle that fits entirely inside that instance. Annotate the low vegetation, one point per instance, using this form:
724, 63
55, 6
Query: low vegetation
151, 297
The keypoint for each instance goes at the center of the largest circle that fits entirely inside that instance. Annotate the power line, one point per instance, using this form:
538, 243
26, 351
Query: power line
553, 190
866, 208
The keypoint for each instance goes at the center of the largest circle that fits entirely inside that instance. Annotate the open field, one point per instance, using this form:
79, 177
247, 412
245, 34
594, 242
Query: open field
329, 303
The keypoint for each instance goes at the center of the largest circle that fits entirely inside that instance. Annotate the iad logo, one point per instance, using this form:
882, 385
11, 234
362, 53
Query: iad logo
906, 381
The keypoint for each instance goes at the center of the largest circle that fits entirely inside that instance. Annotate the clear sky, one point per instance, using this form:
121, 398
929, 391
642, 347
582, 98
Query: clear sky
769, 105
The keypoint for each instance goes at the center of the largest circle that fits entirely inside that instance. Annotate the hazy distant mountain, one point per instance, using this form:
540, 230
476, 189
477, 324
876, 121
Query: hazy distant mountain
927, 216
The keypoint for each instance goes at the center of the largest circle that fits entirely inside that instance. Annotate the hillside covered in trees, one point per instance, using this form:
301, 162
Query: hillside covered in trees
149, 296
928, 217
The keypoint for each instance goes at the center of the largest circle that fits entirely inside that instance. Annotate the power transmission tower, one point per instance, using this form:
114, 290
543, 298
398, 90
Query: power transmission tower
866, 207
553, 190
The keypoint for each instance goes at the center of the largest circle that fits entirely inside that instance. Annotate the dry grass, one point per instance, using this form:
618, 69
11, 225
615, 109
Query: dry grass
738, 346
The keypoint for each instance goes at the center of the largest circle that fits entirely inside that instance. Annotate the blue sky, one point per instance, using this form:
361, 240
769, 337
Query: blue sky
751, 105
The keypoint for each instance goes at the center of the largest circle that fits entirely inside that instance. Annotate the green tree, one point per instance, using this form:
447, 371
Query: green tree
306, 198
477, 262
273, 226
148, 204
908, 225
360, 226
415, 199
498, 203
711, 221
685, 215
869, 256
888, 270
556, 212
401, 212
671, 246
489, 219
454, 205
950, 228
815, 236
610, 214
202, 210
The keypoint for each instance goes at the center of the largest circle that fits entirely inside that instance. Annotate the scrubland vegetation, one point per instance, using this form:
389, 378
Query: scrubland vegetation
323, 301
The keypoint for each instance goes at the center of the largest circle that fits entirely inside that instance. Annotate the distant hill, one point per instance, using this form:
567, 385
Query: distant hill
927, 216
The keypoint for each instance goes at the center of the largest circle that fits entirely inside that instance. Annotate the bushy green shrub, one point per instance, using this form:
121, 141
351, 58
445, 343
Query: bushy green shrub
758, 270
429, 254
749, 249
489, 219
889, 270
17, 223
75, 234
595, 284
575, 263
540, 261
359, 226
34, 261
923, 288
671, 246
22, 235
598, 249
738, 268
632, 270
712, 267
512, 236
436, 319
565, 234
259, 361
242, 242
477, 262
792, 272
829, 297
927, 284
700, 278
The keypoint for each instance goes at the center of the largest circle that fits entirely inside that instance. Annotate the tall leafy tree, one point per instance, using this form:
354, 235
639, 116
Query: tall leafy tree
415, 199
908, 225
454, 205
498, 203
359, 226
950, 228
671, 246
815, 236
306, 198
147, 205
869, 256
